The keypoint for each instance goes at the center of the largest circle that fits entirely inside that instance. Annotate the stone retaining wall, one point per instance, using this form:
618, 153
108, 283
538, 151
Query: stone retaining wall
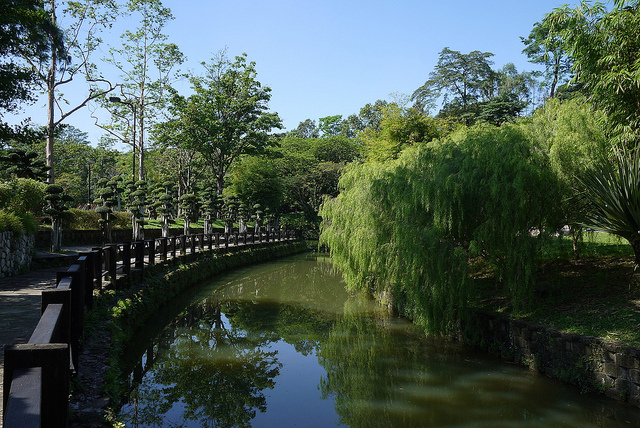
588, 362
16, 253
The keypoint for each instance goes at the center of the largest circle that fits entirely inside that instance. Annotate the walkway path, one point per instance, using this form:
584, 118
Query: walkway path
20, 307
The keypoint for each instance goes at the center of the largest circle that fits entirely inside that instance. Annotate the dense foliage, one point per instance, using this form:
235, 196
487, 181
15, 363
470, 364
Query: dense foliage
604, 45
410, 227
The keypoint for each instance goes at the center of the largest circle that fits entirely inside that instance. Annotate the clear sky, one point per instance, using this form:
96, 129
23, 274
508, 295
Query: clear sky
328, 57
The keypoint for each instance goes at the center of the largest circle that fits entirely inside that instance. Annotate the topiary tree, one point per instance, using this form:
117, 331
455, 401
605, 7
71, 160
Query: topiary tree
243, 215
136, 203
166, 205
209, 204
270, 220
257, 217
104, 202
56, 207
229, 213
23, 164
189, 207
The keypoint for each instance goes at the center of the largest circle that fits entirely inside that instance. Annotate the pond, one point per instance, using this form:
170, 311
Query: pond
283, 344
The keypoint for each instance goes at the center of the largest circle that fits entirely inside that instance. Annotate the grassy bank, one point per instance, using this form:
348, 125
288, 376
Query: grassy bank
596, 295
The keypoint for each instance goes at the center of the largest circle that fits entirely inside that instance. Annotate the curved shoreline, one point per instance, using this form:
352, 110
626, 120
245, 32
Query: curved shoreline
116, 318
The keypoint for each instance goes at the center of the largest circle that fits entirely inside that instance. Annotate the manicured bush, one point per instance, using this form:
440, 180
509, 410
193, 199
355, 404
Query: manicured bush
77, 219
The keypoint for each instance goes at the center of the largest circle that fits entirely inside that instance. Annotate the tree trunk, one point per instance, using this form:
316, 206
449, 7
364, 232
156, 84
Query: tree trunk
51, 82
56, 235
165, 226
141, 145
186, 226
636, 252
575, 237
220, 184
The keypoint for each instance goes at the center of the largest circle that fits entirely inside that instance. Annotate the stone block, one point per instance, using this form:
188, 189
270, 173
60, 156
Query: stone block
634, 376
610, 369
604, 380
624, 387
624, 360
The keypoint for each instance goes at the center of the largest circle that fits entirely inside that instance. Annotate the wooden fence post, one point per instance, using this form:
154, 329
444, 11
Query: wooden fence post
126, 258
85, 259
163, 249
139, 257
112, 265
97, 267
183, 245
192, 245
53, 358
173, 249
60, 296
152, 251
201, 242
77, 309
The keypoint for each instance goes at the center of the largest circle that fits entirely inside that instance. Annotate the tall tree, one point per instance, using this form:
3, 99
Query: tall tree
87, 18
147, 63
605, 47
330, 125
26, 32
545, 47
306, 129
399, 128
458, 78
227, 116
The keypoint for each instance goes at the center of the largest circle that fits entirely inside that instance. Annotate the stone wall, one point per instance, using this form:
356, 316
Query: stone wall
588, 362
16, 253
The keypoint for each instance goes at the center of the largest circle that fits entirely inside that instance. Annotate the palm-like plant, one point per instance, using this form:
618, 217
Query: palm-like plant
613, 197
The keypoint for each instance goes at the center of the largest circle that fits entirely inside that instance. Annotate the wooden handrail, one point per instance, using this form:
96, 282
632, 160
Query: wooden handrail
37, 374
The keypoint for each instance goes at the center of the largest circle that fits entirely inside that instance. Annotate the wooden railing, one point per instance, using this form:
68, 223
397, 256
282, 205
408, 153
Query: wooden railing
37, 374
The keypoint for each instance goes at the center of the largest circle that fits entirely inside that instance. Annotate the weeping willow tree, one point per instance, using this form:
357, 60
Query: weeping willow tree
408, 228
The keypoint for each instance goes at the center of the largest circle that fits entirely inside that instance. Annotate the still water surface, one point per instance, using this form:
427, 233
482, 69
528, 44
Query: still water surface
283, 344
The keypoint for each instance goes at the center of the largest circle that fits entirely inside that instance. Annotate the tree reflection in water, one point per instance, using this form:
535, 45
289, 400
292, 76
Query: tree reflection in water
287, 336
216, 375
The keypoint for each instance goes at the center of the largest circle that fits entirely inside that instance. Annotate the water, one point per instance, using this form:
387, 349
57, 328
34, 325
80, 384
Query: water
283, 345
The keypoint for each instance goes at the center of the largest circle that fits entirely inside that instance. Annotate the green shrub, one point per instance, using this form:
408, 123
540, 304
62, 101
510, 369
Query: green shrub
121, 220
22, 195
88, 220
77, 219
10, 222
17, 222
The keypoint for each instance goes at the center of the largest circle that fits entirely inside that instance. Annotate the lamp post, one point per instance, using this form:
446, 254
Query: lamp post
89, 181
133, 108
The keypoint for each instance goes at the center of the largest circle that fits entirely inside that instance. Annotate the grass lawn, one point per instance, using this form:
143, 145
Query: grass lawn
597, 295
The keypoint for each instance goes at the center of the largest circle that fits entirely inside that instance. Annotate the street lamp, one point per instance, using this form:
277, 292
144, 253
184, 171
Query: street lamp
133, 142
89, 181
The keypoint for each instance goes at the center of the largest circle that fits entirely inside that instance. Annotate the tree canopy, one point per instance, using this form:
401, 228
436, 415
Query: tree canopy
605, 48
227, 116
408, 228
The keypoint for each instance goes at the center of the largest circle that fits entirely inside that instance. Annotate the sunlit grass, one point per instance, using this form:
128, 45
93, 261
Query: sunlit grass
597, 295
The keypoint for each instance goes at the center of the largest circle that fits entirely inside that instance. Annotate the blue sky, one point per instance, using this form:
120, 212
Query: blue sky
328, 57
